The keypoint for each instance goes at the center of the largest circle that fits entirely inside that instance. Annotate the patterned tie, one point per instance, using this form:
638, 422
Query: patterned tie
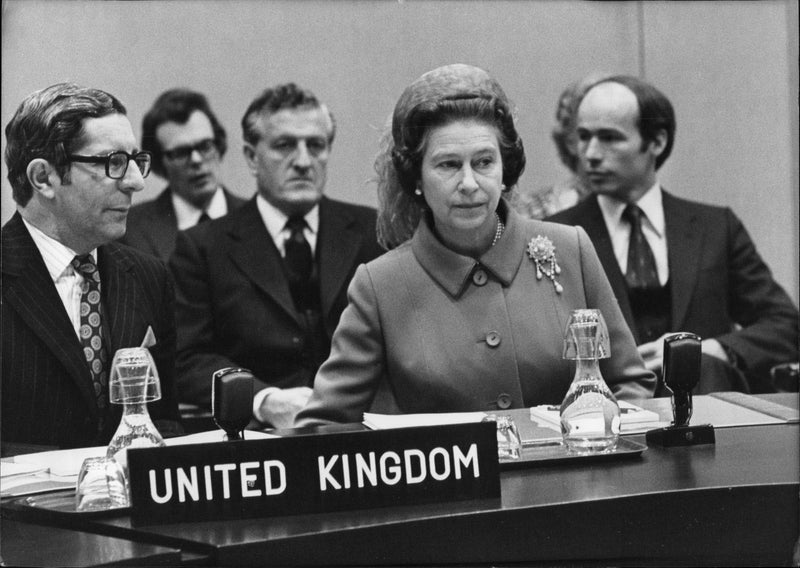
91, 331
642, 272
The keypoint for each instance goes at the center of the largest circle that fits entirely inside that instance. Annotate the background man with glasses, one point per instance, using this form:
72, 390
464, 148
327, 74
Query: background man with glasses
264, 287
72, 296
188, 143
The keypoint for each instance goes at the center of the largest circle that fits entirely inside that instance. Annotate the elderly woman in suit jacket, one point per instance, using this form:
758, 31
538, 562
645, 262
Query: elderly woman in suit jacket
467, 310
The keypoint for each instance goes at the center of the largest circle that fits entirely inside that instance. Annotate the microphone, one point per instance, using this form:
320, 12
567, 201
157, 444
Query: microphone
681, 366
681, 371
232, 400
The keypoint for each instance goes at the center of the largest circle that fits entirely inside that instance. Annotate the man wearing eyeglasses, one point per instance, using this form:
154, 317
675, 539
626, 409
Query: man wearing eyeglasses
71, 295
188, 144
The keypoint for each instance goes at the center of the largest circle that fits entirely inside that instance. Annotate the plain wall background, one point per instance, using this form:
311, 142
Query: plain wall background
730, 69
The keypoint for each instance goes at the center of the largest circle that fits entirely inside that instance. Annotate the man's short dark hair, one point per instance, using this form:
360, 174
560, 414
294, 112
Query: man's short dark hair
655, 112
272, 100
177, 105
49, 124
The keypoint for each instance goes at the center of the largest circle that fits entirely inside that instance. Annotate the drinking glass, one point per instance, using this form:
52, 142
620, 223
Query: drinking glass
509, 444
101, 485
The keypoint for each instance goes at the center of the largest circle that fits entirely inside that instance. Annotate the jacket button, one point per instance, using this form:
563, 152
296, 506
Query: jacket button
479, 277
492, 339
504, 401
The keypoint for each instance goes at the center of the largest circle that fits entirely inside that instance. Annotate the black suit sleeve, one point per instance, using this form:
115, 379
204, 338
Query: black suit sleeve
197, 357
766, 314
165, 413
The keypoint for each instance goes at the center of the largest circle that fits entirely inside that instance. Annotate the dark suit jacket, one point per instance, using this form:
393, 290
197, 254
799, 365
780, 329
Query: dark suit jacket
47, 394
721, 287
152, 225
234, 307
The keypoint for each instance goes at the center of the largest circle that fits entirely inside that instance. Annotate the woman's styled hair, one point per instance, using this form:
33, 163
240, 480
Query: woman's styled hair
49, 124
440, 97
563, 133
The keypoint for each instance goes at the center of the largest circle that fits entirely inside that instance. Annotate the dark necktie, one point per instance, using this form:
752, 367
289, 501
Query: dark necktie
641, 272
299, 260
91, 330
203, 218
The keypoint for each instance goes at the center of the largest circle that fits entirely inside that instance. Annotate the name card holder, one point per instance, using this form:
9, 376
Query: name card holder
313, 473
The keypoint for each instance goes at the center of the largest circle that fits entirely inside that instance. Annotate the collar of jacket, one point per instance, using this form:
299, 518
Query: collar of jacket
452, 271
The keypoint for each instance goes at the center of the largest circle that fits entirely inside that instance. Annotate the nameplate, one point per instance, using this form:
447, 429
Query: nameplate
313, 473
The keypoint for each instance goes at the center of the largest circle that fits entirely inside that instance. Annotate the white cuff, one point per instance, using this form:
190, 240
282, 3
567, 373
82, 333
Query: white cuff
258, 399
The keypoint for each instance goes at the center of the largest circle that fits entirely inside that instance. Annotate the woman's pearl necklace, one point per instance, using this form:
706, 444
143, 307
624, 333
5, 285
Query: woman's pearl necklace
499, 231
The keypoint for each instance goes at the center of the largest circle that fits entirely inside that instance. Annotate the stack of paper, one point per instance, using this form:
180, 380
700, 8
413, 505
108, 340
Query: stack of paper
385, 421
633, 419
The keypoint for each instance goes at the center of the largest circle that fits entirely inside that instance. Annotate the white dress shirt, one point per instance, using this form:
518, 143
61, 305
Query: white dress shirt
275, 222
653, 227
187, 215
58, 260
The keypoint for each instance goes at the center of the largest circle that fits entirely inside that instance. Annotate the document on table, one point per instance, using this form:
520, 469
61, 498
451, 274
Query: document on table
57, 470
387, 421
633, 419
531, 434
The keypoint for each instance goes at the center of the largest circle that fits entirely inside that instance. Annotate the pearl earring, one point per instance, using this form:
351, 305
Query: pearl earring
418, 191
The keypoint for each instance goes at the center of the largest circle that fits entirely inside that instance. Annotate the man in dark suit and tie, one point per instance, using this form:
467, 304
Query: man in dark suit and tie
188, 144
263, 288
72, 296
674, 264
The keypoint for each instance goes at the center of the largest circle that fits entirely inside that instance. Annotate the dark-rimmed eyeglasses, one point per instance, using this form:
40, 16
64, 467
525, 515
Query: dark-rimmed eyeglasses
117, 162
206, 148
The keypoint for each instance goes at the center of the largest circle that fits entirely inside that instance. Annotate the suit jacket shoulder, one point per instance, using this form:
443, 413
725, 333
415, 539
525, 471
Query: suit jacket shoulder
152, 225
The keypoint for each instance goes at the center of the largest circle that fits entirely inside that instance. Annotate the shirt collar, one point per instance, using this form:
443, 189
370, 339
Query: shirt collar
275, 219
57, 257
650, 203
452, 270
187, 215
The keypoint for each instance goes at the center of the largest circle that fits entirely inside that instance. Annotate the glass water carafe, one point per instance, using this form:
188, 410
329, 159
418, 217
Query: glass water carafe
133, 383
590, 418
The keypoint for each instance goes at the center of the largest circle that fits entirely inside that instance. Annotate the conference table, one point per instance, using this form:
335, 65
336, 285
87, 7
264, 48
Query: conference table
735, 502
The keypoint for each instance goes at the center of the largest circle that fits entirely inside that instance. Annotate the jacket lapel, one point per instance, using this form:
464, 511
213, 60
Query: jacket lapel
254, 252
338, 243
591, 219
119, 299
28, 288
684, 243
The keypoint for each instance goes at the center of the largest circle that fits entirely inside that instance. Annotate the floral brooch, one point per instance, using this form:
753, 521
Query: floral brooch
543, 254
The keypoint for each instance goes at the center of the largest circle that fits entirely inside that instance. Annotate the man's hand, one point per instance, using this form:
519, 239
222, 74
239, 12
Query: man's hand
280, 406
653, 352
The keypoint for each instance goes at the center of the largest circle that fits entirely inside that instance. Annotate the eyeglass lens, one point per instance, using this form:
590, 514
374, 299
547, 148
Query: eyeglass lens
204, 147
118, 163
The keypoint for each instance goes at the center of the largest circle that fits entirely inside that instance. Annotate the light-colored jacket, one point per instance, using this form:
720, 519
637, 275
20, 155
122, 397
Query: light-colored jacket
435, 331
